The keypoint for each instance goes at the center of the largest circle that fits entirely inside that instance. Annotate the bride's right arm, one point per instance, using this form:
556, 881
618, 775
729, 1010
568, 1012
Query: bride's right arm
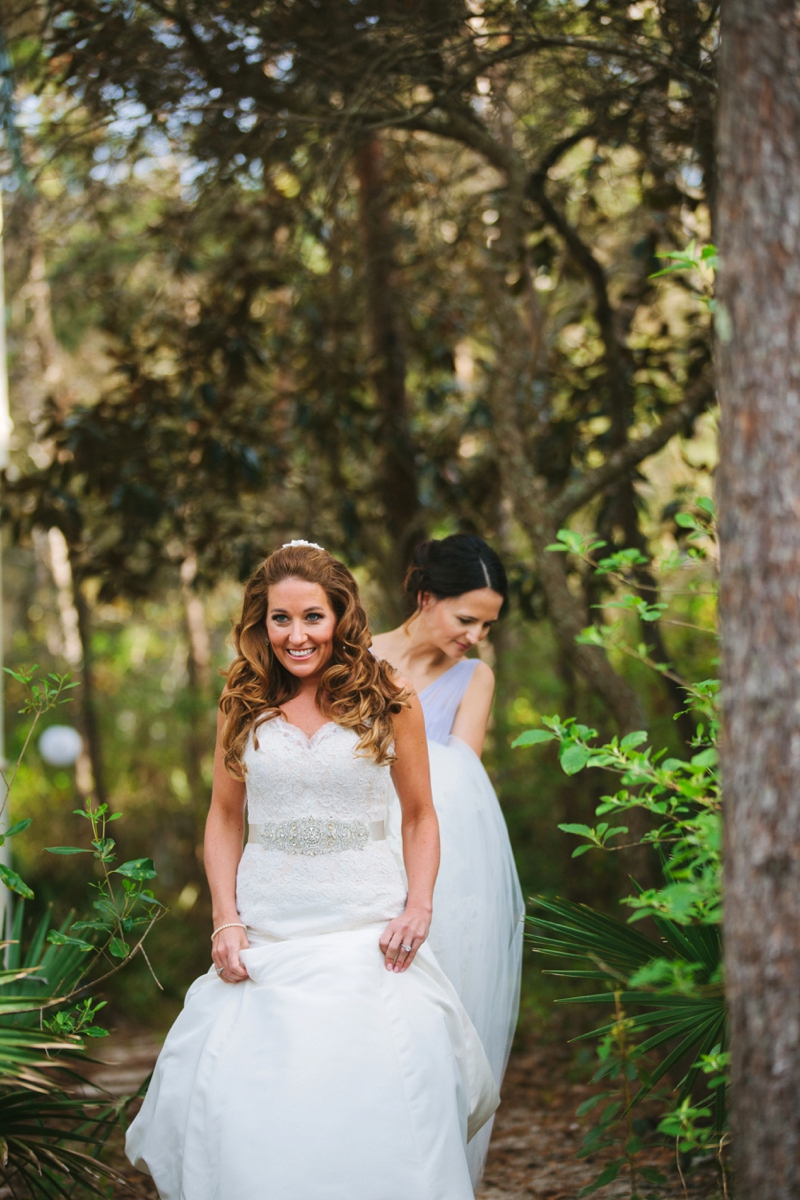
222, 852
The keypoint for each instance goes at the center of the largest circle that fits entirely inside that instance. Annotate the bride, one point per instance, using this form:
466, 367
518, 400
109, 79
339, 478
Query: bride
325, 1056
459, 588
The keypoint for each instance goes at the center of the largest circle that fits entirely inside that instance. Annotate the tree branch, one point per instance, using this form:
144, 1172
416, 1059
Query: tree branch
574, 495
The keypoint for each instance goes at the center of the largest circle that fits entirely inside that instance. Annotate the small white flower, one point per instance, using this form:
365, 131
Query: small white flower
301, 542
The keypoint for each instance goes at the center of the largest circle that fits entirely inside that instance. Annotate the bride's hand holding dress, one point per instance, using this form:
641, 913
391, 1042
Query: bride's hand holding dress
412, 782
325, 1056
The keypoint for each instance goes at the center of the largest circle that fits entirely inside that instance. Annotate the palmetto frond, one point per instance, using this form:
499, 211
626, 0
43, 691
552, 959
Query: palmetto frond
49, 1136
688, 1024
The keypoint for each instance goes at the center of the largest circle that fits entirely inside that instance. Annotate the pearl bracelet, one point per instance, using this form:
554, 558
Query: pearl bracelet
230, 925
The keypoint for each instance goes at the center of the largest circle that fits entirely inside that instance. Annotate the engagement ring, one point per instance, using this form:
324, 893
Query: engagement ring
220, 970
406, 948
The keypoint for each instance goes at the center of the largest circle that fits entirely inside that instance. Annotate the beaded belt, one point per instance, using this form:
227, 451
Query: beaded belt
311, 835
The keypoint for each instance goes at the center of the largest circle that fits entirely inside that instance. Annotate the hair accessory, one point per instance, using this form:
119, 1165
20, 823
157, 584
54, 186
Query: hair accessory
301, 542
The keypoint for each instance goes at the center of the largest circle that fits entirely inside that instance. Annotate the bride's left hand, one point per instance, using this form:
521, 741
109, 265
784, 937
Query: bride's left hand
402, 938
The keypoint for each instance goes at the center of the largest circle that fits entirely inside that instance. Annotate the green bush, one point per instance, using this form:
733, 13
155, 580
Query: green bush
667, 994
51, 1135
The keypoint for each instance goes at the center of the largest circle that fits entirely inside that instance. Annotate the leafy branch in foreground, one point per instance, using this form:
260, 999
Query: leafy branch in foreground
668, 994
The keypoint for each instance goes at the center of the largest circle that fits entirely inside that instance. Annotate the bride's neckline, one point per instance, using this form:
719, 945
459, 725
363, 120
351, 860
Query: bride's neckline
310, 739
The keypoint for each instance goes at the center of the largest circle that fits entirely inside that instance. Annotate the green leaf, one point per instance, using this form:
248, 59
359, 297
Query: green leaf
579, 850
591, 1103
707, 506
590, 636
137, 868
66, 850
18, 827
574, 758
617, 829
118, 948
532, 737
652, 1175
606, 1176
706, 758
686, 521
14, 883
580, 830
632, 740
61, 939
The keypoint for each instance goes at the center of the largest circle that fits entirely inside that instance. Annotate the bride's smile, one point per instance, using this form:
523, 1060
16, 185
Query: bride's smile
300, 626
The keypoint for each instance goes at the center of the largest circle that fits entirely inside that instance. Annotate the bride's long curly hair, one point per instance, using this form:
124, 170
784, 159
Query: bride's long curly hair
357, 690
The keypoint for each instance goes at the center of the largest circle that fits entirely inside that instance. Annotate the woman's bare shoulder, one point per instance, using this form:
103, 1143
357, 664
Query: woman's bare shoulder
482, 677
383, 645
404, 683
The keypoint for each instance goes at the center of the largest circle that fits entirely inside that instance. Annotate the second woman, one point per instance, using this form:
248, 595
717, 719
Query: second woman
459, 588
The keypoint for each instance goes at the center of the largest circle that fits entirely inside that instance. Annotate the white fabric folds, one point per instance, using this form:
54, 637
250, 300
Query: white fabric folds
478, 909
323, 1077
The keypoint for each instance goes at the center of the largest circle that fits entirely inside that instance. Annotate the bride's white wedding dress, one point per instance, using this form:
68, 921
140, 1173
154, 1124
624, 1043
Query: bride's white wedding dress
478, 909
323, 1076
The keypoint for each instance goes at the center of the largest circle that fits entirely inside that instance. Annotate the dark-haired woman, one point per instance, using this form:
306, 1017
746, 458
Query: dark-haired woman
459, 589
325, 1056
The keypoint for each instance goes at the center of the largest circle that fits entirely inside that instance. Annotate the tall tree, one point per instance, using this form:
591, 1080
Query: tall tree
397, 471
759, 493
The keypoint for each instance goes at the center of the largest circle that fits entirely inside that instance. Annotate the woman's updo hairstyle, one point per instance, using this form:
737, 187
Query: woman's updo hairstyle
455, 565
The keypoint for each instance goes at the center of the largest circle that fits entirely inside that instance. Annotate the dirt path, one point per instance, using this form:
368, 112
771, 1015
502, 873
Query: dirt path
536, 1136
533, 1155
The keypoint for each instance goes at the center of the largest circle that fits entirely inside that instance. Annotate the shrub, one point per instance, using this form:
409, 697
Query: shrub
51, 1135
667, 994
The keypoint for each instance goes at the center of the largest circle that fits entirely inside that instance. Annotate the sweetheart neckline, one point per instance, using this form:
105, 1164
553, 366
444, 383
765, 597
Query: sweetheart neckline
308, 740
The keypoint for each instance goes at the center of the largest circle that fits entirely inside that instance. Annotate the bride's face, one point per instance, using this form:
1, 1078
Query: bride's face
457, 623
300, 626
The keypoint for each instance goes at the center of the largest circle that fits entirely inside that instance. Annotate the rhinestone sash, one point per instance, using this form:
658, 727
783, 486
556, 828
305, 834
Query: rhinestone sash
312, 835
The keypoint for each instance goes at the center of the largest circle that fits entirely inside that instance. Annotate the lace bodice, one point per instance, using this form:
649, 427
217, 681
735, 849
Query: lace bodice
290, 775
314, 782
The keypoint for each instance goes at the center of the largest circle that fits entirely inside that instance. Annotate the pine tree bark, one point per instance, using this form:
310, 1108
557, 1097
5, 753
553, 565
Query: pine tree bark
759, 500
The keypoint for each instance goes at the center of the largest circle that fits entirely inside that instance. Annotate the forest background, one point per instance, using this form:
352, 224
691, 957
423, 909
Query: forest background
360, 273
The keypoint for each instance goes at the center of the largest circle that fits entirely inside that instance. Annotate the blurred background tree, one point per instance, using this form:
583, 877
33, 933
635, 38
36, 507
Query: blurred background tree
363, 273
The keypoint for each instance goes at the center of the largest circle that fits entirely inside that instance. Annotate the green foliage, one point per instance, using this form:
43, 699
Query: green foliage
668, 994
120, 913
50, 1138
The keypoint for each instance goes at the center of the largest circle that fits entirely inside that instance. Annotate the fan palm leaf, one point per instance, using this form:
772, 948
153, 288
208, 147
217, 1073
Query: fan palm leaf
689, 1024
49, 1137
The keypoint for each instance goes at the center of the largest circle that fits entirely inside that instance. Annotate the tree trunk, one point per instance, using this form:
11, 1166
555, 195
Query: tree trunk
759, 499
398, 480
198, 694
91, 724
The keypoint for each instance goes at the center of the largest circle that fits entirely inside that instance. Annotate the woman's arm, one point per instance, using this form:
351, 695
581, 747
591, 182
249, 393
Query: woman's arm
222, 852
412, 780
472, 717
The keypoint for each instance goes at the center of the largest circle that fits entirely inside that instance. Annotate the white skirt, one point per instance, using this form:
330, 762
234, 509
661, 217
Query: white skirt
322, 1077
478, 909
